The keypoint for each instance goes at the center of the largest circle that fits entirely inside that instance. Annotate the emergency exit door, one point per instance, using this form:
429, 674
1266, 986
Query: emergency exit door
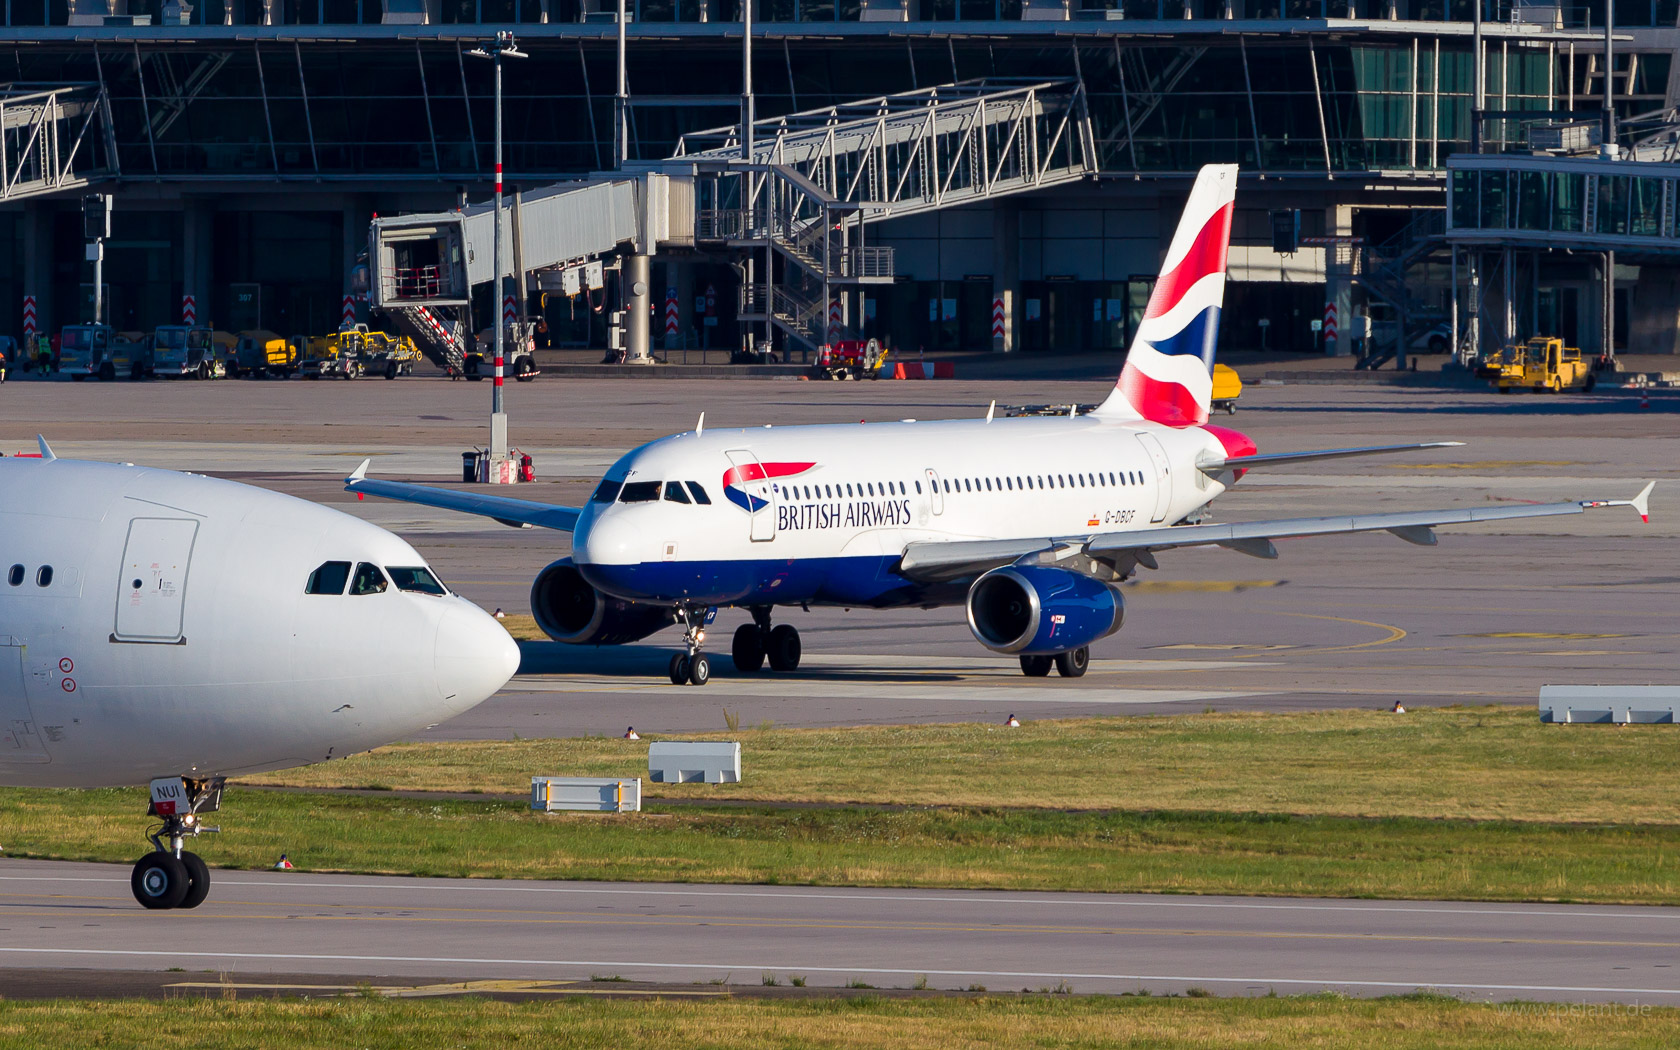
20, 737
152, 593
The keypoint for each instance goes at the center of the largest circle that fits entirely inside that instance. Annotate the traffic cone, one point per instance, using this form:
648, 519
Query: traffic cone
1012, 722
1644, 398
631, 734
1398, 708
282, 864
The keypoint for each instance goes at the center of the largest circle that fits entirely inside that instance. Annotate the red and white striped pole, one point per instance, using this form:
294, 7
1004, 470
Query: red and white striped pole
31, 324
189, 309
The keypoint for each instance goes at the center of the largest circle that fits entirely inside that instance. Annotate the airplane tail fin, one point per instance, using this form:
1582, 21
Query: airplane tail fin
1168, 376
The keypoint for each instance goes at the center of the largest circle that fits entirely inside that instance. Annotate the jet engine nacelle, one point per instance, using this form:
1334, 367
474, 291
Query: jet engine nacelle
1032, 610
570, 610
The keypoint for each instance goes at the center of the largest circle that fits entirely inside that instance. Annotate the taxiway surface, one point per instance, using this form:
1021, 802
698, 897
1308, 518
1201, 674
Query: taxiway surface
81, 916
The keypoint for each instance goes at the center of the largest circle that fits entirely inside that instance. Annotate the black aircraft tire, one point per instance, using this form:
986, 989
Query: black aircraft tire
1036, 666
784, 649
1074, 663
159, 881
747, 650
198, 880
678, 669
699, 670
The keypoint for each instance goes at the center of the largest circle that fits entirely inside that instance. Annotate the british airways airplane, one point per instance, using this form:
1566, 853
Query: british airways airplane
1031, 523
174, 629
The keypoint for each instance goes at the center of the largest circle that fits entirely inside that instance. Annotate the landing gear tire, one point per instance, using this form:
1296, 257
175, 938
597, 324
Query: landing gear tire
748, 648
679, 669
198, 880
391, 370
784, 648
1072, 664
1036, 666
107, 372
160, 881
699, 670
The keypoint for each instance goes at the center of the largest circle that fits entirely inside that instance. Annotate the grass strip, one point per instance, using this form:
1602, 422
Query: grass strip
1481, 763
1401, 1023
958, 847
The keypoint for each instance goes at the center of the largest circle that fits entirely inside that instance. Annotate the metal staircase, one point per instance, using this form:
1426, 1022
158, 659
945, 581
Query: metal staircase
438, 334
1382, 271
54, 138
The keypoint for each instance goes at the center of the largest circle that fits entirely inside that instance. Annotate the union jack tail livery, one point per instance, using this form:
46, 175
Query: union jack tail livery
1168, 376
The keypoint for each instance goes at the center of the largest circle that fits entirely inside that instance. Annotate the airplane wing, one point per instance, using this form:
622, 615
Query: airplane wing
934, 562
1214, 466
518, 513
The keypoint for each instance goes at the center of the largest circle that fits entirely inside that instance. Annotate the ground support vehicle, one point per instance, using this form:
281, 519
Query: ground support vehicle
335, 356
1227, 387
94, 350
1542, 364
179, 351
850, 359
387, 355
260, 354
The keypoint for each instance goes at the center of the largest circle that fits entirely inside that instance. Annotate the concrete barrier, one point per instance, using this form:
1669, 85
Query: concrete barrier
690, 761
1609, 704
586, 794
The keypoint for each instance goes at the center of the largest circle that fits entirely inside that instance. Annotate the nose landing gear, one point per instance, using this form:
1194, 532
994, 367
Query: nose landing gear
756, 641
170, 876
691, 667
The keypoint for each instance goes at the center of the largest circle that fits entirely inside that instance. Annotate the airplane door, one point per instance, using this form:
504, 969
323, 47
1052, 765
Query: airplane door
1163, 474
20, 738
933, 486
749, 488
151, 596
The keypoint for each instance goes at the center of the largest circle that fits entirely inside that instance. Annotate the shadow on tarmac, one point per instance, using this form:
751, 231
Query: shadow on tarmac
642, 661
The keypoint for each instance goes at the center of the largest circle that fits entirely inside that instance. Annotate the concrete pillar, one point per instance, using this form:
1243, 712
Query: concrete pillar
638, 302
1338, 286
196, 248
38, 264
1006, 270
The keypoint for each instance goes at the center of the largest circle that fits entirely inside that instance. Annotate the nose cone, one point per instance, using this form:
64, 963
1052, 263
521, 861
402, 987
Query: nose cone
474, 656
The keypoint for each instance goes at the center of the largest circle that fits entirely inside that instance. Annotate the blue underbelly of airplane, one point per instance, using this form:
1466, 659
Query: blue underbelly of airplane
871, 581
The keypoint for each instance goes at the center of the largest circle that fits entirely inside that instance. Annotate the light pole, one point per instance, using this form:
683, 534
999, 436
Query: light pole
502, 46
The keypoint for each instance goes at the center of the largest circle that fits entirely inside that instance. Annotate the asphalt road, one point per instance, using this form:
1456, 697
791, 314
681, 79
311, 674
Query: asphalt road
257, 923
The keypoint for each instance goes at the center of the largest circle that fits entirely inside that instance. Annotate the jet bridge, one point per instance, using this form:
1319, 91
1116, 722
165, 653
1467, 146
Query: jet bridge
802, 194
54, 138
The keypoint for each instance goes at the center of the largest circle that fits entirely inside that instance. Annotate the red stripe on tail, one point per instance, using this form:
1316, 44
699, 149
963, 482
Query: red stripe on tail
1206, 256
1161, 402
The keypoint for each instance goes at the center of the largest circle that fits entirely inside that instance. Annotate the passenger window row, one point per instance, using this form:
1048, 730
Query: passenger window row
331, 577
43, 576
841, 490
1044, 481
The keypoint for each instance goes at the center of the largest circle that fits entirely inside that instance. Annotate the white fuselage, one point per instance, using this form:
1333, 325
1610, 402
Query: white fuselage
821, 514
159, 626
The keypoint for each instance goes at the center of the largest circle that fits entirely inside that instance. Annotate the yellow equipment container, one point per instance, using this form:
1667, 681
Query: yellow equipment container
261, 353
1227, 387
1541, 364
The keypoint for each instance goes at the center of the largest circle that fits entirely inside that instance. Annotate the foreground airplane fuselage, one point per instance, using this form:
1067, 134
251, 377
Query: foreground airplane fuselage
157, 624
823, 514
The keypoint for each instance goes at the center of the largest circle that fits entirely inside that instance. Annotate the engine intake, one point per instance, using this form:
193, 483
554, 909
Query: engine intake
1035, 610
569, 610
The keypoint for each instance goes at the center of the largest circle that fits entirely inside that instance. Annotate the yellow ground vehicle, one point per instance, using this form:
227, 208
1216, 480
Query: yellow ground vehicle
1541, 364
1227, 387
331, 355
262, 353
387, 355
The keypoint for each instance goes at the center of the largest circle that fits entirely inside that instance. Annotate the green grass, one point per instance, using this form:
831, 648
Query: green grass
1484, 763
1420, 1022
1159, 851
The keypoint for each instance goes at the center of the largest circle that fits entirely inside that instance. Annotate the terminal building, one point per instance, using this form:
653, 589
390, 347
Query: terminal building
248, 144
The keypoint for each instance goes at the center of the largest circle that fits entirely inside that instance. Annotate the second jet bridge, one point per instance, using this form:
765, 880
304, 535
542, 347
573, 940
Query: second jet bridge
801, 195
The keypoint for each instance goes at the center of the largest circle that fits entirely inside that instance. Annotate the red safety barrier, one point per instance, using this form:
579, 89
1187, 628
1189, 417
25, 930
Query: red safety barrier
944, 370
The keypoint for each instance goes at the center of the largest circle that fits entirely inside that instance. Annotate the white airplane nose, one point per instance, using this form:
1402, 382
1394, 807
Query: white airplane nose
474, 656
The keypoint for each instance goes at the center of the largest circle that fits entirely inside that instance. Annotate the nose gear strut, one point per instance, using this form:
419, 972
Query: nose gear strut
170, 876
691, 667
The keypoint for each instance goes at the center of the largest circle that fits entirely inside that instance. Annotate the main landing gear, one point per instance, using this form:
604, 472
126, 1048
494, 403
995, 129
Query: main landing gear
691, 667
757, 641
171, 877
1071, 664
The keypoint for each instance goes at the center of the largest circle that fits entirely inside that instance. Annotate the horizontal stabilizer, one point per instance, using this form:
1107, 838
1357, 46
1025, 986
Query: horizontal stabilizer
1214, 466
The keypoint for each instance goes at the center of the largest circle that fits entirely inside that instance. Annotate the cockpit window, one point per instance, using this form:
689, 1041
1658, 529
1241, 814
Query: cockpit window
368, 580
699, 493
639, 492
329, 578
675, 493
606, 491
415, 578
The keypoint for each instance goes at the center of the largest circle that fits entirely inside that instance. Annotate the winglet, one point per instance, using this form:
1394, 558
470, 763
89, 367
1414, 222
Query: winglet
359, 473
1640, 503
700, 427
46, 449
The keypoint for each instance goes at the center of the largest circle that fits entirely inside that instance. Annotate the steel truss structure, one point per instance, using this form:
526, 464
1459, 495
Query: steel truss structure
54, 138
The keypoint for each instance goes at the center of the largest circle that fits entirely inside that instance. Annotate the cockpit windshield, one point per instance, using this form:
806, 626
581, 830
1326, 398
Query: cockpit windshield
606, 491
639, 492
415, 578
